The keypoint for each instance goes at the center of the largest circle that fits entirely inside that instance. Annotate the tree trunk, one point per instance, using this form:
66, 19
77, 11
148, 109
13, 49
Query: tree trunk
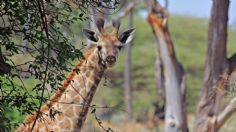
127, 73
159, 73
4, 67
159, 113
217, 69
94, 15
25, 43
175, 116
91, 24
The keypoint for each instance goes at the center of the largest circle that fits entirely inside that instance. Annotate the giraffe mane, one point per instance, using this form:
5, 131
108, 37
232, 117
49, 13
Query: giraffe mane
54, 98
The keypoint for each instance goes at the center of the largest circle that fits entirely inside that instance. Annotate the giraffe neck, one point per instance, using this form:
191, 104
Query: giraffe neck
67, 109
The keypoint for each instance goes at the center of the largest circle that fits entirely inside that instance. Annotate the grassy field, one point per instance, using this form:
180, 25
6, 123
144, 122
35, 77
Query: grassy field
190, 40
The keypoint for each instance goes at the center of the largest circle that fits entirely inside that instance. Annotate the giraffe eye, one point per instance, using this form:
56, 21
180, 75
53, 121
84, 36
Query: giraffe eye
99, 47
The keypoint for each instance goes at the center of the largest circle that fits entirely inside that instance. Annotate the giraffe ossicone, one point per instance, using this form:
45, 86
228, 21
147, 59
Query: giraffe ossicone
71, 101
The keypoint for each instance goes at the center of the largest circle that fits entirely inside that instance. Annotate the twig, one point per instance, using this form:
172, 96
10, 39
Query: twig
100, 123
45, 28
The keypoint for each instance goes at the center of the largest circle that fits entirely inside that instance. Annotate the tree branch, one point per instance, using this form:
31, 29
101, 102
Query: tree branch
41, 9
231, 107
127, 10
226, 113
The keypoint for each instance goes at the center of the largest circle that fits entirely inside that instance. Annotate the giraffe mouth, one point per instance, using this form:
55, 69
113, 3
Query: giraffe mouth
109, 64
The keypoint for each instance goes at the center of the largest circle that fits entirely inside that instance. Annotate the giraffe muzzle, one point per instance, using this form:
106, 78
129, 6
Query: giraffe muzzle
111, 59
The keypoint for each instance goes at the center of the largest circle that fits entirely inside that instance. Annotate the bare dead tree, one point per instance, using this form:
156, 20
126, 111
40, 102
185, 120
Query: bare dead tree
159, 75
159, 79
127, 73
175, 115
218, 68
159, 105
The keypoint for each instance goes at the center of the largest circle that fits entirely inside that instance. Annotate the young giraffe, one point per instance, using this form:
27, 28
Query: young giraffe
71, 102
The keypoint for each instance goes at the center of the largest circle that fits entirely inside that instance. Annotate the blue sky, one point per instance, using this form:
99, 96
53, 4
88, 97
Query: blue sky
199, 8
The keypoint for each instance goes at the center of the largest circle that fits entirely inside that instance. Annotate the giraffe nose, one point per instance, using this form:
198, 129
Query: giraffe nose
111, 59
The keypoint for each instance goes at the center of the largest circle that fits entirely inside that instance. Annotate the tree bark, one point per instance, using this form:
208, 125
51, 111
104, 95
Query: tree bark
94, 15
159, 113
159, 73
175, 116
25, 43
4, 67
217, 70
127, 73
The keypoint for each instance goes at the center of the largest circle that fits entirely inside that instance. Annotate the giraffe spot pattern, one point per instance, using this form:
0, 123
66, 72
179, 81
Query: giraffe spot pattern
72, 99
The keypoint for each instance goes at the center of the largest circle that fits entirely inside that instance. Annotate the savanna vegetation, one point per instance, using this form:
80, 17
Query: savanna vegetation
190, 38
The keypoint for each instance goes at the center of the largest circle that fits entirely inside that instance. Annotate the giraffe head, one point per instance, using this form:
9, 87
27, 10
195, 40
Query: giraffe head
108, 44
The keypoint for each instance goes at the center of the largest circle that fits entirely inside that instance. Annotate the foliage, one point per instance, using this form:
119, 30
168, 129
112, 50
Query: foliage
190, 39
40, 24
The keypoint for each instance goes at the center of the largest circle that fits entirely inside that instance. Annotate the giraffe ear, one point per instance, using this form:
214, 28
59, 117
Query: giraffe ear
126, 36
90, 35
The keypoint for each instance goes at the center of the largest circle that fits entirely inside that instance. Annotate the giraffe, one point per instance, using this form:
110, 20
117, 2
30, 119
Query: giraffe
70, 104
